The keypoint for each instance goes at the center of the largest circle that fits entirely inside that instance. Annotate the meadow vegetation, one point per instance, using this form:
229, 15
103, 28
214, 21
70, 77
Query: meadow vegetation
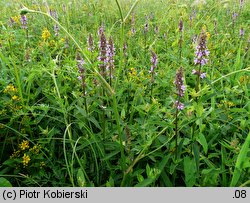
124, 93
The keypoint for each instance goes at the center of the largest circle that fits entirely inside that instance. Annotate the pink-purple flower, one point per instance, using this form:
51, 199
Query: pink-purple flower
102, 52
242, 32
180, 87
202, 75
154, 61
179, 105
81, 71
201, 52
133, 24
55, 16
90, 42
181, 25
24, 22
110, 53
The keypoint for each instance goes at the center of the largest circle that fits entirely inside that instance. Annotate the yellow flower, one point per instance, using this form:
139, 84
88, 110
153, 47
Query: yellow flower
204, 27
24, 145
62, 40
16, 19
15, 98
15, 154
16, 107
26, 160
132, 72
10, 89
35, 149
244, 79
130, 33
52, 43
45, 34
208, 35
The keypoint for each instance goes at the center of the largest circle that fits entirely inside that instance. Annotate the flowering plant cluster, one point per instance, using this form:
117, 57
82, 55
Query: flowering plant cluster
179, 83
201, 54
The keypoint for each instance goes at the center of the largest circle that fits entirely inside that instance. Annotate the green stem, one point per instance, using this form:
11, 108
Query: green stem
197, 88
131, 10
120, 10
117, 118
121, 55
224, 76
18, 82
176, 134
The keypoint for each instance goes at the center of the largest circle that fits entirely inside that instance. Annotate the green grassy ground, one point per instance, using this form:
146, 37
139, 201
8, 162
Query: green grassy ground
120, 125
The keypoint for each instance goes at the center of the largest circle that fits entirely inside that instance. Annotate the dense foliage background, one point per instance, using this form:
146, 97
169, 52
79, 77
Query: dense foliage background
76, 113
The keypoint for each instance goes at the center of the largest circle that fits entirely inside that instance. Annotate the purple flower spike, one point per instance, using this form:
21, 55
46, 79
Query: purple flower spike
165, 36
100, 30
234, 15
56, 29
179, 105
241, 4
179, 83
24, 22
90, 42
55, 16
242, 32
133, 24
102, 52
201, 50
203, 75
146, 28
154, 61
146, 25
133, 30
180, 25
156, 29
110, 53
125, 47
79, 78
81, 71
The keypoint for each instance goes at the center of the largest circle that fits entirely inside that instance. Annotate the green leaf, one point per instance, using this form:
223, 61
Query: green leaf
172, 168
202, 140
95, 122
110, 155
80, 178
196, 155
145, 182
148, 170
175, 43
110, 183
166, 179
24, 11
199, 109
123, 114
140, 178
242, 162
4, 183
210, 177
238, 61
189, 171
